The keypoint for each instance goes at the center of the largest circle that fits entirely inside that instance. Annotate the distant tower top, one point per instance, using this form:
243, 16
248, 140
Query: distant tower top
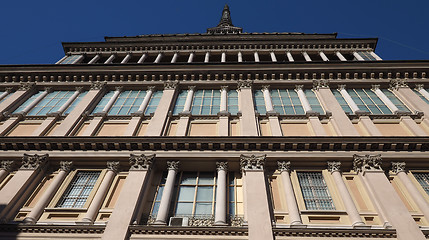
225, 25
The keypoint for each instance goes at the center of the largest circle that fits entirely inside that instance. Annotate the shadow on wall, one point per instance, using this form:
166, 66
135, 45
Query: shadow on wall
8, 231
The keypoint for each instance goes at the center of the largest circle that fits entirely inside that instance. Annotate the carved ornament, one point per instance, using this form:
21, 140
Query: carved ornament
397, 83
173, 165
26, 86
366, 162
66, 166
283, 166
242, 84
398, 167
252, 162
141, 162
33, 162
334, 167
7, 165
222, 166
113, 166
320, 83
97, 85
170, 85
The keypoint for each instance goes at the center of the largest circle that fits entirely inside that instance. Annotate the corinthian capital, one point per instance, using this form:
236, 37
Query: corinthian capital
283, 166
113, 166
173, 165
241, 84
7, 165
366, 162
222, 166
252, 162
141, 162
66, 166
33, 162
321, 83
398, 167
334, 167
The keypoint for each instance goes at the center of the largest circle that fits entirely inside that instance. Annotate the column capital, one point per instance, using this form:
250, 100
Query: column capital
252, 162
334, 167
191, 88
299, 87
66, 166
97, 85
170, 85
48, 89
151, 88
398, 167
341, 87
283, 166
26, 86
398, 83
375, 87
8, 166
173, 165
79, 89
141, 162
320, 83
366, 162
113, 166
119, 88
419, 87
224, 88
222, 166
33, 162
242, 84
9, 89
265, 87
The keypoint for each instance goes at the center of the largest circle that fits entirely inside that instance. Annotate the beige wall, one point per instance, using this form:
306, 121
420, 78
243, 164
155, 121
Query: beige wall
199, 128
112, 129
25, 128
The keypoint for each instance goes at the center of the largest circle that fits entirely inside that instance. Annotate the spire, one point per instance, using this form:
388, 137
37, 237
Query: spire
225, 25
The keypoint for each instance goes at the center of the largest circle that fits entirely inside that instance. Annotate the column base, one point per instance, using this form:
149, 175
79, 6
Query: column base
159, 224
220, 224
29, 220
85, 221
297, 225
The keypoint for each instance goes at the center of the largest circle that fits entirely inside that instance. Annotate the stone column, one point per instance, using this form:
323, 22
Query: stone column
248, 122
375, 56
355, 219
289, 57
91, 213
224, 98
23, 91
358, 57
73, 118
303, 98
384, 98
340, 120
369, 168
182, 126
267, 98
223, 57
191, 57
292, 206
94, 59
128, 203
306, 56
142, 58
420, 88
240, 57
399, 169
256, 56
340, 56
126, 58
188, 102
324, 57
221, 193
137, 116
47, 196
158, 58
207, 57
36, 101
313, 116
258, 212
110, 59
5, 168
174, 58
223, 129
5, 93
159, 119
348, 98
167, 194
21, 184
273, 57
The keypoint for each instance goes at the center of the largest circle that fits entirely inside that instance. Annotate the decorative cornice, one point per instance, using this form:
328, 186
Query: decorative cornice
367, 162
173, 165
97, 85
283, 166
398, 167
252, 162
7, 165
335, 233
66, 166
33, 162
170, 85
141, 162
191, 88
334, 167
320, 83
26, 86
222, 166
113, 166
9, 89
242, 84
398, 83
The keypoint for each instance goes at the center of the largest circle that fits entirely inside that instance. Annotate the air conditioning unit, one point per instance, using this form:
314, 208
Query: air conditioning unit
178, 221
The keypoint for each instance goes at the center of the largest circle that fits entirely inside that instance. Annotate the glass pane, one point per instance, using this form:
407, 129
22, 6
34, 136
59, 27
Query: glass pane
186, 193
205, 194
184, 208
206, 179
203, 209
189, 178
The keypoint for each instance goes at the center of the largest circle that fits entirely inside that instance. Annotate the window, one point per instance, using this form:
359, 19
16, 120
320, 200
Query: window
75, 103
233, 102
106, 98
367, 56
127, 102
79, 189
180, 102
343, 103
423, 179
71, 59
258, 98
418, 94
368, 101
314, 191
235, 194
313, 101
286, 101
401, 106
51, 103
28, 102
8, 95
206, 102
153, 103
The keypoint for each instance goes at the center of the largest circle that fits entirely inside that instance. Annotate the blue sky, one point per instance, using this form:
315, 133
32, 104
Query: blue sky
32, 31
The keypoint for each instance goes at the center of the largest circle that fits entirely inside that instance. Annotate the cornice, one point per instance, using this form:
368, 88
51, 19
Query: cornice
228, 231
344, 233
83, 229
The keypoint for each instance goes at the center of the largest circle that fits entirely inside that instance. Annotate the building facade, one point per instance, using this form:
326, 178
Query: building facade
221, 135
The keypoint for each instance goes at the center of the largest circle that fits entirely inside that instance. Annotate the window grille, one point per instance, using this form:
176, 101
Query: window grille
233, 102
206, 102
51, 103
127, 102
421, 96
79, 189
423, 179
71, 59
103, 102
153, 103
27, 102
180, 102
258, 99
315, 191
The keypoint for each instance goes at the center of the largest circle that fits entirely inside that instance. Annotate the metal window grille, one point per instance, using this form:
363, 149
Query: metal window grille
127, 102
51, 103
313, 101
286, 101
423, 179
315, 191
79, 189
71, 59
206, 102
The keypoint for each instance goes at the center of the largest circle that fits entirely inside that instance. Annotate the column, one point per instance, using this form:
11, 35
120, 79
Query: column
91, 213
306, 56
62, 59
324, 57
221, 191
5, 93
384, 98
110, 59
340, 120
5, 168
182, 126
94, 59
126, 58
26, 176
35, 101
223, 98
174, 58
191, 57
47, 196
159, 119
399, 169
137, 116
292, 206
303, 98
128, 201
340, 56
99, 117
369, 168
223, 57
207, 57
223, 113
313, 116
158, 58
289, 57
256, 55
167, 193
247, 120
267, 98
257, 208
273, 57
334, 169
240, 57
375, 56
75, 115
348, 98
358, 57
142, 58
422, 91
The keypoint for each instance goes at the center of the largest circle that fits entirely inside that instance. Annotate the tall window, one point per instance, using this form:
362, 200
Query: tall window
206, 102
235, 194
127, 102
313, 101
423, 179
258, 98
314, 191
79, 189
1, 100
28, 102
400, 105
71, 59
51, 103
103, 102
286, 101
418, 94
233, 102
343, 103
75, 103
153, 103
180, 102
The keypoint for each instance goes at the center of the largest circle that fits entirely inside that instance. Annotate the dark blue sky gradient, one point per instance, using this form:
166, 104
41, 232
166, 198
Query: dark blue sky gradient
32, 31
